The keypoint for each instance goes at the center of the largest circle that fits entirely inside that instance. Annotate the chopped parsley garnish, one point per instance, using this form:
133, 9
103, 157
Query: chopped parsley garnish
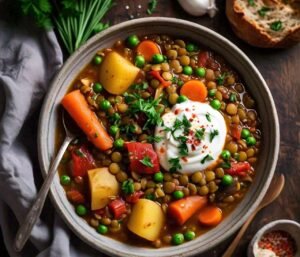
147, 161
147, 106
213, 134
178, 81
225, 165
221, 78
276, 25
183, 149
151, 6
206, 158
79, 153
175, 164
141, 86
232, 97
263, 10
154, 139
186, 124
128, 187
251, 3
207, 115
199, 133
178, 124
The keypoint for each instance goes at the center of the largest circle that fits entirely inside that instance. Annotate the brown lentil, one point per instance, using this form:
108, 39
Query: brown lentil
114, 168
169, 187
116, 156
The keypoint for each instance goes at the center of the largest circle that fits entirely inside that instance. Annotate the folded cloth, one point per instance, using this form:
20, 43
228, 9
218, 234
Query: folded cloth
29, 58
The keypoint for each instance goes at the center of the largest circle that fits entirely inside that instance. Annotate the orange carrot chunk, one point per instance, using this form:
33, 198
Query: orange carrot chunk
184, 208
148, 48
210, 216
195, 90
78, 108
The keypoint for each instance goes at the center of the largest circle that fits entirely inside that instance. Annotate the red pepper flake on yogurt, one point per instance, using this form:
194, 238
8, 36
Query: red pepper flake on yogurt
276, 243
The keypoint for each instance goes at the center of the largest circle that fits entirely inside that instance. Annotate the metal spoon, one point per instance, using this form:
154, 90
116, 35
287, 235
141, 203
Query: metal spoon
36, 209
272, 193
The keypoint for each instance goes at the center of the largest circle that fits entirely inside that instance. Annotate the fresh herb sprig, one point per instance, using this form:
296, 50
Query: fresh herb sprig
75, 21
175, 164
147, 162
151, 6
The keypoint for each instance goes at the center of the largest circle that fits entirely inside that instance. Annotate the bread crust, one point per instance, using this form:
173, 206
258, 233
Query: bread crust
252, 34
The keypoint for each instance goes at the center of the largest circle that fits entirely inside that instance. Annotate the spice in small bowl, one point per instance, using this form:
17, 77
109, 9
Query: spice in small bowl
276, 239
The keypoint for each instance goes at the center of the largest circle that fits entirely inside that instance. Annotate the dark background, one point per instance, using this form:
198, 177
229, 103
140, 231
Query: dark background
281, 70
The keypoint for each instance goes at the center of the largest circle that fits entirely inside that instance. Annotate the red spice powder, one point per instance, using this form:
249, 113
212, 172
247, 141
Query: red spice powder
279, 242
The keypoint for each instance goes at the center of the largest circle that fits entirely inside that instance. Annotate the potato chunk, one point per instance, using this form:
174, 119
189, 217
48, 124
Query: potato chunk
146, 219
102, 185
117, 73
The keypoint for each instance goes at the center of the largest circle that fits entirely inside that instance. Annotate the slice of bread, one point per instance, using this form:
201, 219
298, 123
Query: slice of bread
265, 23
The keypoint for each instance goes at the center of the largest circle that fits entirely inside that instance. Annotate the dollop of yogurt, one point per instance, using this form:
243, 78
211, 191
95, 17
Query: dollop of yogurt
192, 128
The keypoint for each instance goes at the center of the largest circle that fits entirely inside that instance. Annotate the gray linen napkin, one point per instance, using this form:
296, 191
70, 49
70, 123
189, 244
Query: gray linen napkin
29, 58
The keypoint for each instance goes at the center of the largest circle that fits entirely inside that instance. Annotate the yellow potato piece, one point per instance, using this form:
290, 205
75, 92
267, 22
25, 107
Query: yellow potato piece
102, 185
146, 219
117, 73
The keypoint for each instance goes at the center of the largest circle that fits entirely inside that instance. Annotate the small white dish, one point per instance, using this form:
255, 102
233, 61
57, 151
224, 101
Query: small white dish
289, 226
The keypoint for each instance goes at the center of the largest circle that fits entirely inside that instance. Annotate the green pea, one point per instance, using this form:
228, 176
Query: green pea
216, 104
157, 58
97, 87
102, 229
81, 210
119, 143
245, 133
181, 99
227, 180
212, 92
187, 70
189, 235
97, 60
177, 239
180, 83
132, 41
113, 130
105, 105
65, 180
225, 154
139, 61
200, 72
190, 47
158, 177
178, 194
251, 141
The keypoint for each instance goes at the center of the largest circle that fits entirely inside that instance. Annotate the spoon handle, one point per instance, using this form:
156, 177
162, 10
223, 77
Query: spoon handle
36, 209
230, 250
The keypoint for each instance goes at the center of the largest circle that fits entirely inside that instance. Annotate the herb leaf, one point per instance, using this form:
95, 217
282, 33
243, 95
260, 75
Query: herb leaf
213, 134
221, 78
183, 149
207, 115
199, 134
263, 10
251, 3
206, 158
128, 187
276, 25
79, 153
175, 163
151, 6
154, 139
147, 161
225, 165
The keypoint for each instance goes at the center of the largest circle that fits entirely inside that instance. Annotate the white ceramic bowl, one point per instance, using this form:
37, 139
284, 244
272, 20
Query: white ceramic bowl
292, 227
239, 61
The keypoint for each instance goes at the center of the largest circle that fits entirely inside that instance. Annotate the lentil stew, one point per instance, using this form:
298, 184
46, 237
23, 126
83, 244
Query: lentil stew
155, 165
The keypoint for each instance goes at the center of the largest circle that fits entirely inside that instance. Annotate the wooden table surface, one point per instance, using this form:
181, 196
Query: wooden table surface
280, 68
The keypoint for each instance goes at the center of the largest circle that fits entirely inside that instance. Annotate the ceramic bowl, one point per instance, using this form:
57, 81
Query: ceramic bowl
238, 60
292, 227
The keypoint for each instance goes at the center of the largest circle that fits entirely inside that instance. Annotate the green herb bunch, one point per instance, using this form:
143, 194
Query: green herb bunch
75, 20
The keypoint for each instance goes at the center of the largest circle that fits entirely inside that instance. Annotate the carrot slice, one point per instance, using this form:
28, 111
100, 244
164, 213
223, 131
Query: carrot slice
78, 108
195, 90
181, 210
210, 216
148, 48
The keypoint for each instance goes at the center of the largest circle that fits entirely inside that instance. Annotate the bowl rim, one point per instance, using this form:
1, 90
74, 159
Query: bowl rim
43, 159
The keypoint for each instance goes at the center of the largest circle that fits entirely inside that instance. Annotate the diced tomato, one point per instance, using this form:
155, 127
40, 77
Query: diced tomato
202, 59
137, 153
236, 131
155, 74
82, 161
75, 196
134, 197
117, 208
238, 168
